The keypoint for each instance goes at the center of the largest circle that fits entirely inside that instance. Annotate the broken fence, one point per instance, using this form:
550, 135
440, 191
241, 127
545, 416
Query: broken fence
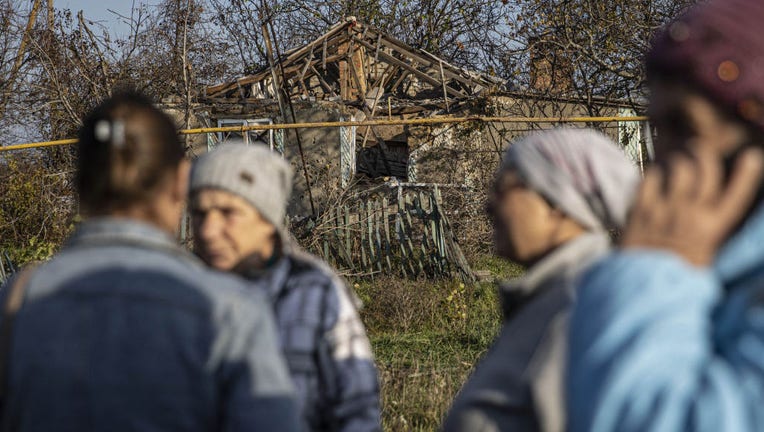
398, 228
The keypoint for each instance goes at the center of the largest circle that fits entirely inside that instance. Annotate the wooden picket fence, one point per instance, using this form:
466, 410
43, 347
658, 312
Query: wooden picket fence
397, 229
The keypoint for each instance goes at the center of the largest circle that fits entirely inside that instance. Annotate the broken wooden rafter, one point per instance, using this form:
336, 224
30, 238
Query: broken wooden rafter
327, 88
400, 79
422, 75
431, 61
431, 80
301, 64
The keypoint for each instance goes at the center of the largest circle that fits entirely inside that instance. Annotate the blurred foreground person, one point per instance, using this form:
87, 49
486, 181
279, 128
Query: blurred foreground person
556, 196
238, 202
125, 331
668, 332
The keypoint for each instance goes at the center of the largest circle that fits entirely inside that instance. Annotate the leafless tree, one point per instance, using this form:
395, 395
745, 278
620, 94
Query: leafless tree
587, 49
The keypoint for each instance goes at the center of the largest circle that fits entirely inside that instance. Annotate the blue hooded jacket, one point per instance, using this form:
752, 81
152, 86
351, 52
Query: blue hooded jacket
657, 344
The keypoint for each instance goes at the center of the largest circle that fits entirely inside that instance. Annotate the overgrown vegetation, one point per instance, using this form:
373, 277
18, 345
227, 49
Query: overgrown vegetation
36, 208
427, 337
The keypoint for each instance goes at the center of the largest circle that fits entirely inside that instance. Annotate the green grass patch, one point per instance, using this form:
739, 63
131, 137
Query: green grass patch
500, 268
427, 337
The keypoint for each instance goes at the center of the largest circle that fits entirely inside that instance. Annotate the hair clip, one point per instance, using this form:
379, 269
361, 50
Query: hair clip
110, 132
102, 131
118, 134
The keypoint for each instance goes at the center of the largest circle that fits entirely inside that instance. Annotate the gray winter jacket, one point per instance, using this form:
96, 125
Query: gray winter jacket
518, 386
125, 331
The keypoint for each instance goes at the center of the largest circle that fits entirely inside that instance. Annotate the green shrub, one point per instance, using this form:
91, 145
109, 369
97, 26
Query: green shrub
36, 207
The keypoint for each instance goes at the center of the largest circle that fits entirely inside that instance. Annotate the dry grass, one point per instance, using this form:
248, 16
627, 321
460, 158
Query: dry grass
427, 336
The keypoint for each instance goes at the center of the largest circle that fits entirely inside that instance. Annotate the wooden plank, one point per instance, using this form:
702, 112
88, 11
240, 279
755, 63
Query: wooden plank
426, 249
378, 237
305, 68
361, 213
422, 75
327, 88
436, 232
445, 93
410, 232
459, 259
427, 246
376, 49
342, 234
397, 83
214, 91
400, 230
337, 30
370, 229
385, 221
429, 60
323, 61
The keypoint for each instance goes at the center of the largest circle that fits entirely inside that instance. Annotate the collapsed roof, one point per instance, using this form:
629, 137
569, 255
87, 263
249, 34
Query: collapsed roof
353, 62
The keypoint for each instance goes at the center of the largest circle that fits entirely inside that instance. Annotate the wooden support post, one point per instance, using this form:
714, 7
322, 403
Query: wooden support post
445, 93
360, 81
323, 62
376, 50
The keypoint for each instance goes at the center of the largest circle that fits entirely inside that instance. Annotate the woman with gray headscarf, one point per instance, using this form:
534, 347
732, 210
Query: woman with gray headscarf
556, 196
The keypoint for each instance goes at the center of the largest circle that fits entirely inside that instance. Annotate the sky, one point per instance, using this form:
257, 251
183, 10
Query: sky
98, 11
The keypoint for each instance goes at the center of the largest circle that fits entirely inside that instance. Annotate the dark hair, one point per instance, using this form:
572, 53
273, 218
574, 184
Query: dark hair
127, 146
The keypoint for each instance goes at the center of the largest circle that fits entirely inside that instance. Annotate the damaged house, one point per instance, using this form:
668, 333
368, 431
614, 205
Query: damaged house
352, 72
355, 72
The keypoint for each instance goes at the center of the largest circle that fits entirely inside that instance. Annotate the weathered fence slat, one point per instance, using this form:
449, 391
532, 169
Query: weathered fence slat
361, 214
386, 221
359, 238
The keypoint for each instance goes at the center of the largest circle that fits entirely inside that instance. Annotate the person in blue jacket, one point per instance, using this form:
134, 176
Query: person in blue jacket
668, 331
123, 330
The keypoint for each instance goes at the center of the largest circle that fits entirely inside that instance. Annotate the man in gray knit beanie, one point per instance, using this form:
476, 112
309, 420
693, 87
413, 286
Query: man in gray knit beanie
250, 184
238, 198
